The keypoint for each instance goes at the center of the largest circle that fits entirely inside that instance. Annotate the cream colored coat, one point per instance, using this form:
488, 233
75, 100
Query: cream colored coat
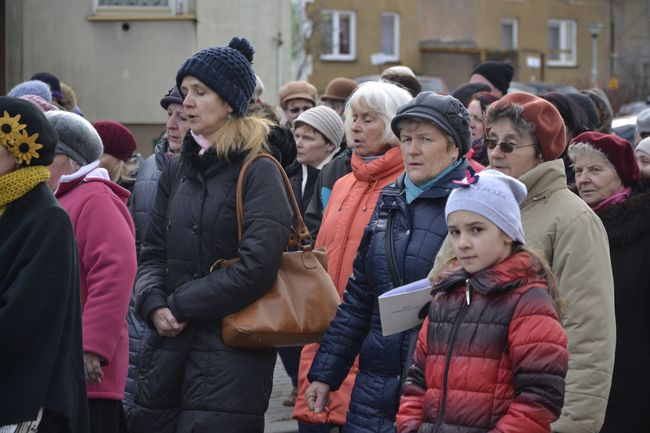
564, 230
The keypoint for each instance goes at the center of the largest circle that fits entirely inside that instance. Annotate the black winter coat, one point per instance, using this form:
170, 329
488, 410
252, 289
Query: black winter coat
331, 172
628, 230
141, 204
194, 382
295, 174
41, 354
418, 230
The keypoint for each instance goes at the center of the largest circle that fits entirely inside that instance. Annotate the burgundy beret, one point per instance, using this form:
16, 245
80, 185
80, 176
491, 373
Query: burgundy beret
617, 150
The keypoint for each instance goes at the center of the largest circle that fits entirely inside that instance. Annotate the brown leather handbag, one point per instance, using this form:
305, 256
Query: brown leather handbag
303, 300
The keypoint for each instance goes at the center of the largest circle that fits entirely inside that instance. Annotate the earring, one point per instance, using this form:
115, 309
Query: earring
230, 115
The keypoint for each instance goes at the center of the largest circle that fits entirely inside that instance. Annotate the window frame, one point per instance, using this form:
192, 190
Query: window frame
566, 59
336, 55
515, 31
174, 8
396, 36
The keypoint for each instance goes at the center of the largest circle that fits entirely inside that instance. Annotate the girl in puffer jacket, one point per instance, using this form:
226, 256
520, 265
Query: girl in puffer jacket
491, 356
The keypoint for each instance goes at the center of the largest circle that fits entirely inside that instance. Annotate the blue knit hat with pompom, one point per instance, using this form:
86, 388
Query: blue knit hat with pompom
226, 70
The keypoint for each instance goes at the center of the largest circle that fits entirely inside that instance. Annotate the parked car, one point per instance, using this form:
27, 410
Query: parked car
428, 82
541, 88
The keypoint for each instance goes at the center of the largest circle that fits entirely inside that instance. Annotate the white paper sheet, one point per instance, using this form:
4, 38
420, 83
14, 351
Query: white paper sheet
399, 308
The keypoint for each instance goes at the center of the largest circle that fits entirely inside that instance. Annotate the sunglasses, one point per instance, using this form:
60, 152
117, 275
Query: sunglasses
504, 146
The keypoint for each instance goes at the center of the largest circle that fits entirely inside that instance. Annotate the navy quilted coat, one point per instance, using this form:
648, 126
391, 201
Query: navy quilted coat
418, 229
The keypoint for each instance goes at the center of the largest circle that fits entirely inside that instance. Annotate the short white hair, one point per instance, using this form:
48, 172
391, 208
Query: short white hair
383, 99
583, 148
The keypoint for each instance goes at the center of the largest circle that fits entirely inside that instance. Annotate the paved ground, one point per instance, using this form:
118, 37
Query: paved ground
278, 417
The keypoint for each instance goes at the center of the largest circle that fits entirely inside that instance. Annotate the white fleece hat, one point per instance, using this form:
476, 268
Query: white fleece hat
643, 146
324, 120
493, 195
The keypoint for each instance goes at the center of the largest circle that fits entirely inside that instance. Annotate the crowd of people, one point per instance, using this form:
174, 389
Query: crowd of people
528, 214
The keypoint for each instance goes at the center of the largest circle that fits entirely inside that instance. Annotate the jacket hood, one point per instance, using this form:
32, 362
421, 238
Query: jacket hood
390, 163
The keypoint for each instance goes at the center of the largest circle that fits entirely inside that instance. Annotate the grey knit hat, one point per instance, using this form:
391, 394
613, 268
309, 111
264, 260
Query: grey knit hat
643, 122
493, 195
32, 87
77, 137
324, 120
445, 112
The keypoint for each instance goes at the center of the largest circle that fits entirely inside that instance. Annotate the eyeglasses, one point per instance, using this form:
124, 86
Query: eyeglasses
504, 146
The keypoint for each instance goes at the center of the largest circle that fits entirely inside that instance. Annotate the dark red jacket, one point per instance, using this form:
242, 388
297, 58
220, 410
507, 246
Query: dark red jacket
494, 364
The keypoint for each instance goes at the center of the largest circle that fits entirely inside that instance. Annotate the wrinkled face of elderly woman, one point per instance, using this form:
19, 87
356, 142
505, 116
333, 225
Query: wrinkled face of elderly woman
7, 161
511, 150
206, 112
367, 132
596, 178
426, 150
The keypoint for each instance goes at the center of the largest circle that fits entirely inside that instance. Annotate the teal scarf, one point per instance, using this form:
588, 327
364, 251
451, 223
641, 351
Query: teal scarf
413, 191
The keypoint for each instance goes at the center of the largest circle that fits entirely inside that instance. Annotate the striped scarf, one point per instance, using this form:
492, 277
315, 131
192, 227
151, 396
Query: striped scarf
19, 182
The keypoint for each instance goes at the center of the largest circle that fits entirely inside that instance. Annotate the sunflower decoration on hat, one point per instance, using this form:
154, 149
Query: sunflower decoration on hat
14, 136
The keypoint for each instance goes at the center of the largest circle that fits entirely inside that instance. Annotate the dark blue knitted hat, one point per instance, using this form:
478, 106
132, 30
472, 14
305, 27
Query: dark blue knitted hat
226, 70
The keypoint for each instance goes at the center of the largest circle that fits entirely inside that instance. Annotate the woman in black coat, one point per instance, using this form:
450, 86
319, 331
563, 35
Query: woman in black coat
189, 380
42, 375
607, 179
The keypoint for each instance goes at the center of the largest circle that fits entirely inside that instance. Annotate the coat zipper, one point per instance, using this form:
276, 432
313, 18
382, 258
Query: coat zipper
390, 256
450, 350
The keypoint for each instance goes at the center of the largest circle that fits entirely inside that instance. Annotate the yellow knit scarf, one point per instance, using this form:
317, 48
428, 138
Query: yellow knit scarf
19, 182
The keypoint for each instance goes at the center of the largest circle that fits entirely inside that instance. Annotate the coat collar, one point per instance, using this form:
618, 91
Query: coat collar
628, 221
206, 165
517, 270
543, 180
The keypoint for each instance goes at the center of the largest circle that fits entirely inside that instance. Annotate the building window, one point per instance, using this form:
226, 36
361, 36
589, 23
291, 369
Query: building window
338, 36
509, 33
390, 36
141, 7
561, 43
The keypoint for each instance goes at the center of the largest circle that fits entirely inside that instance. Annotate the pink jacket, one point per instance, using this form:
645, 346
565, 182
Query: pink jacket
107, 264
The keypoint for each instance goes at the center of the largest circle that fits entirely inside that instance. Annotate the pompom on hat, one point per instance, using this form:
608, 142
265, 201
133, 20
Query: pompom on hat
77, 137
617, 150
26, 133
225, 70
117, 139
549, 126
493, 195
32, 87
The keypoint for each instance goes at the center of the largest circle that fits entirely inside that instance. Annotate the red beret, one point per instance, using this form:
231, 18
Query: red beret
617, 150
549, 126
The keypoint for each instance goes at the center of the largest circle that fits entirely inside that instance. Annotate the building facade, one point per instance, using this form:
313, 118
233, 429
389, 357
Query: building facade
545, 40
121, 59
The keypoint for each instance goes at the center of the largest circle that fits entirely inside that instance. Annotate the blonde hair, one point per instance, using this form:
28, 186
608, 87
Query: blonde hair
247, 135
124, 172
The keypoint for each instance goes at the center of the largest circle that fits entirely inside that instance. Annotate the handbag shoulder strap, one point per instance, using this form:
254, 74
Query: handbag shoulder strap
301, 229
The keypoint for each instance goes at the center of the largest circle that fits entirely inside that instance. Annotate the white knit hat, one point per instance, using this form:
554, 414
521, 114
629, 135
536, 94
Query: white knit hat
324, 120
643, 146
493, 195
